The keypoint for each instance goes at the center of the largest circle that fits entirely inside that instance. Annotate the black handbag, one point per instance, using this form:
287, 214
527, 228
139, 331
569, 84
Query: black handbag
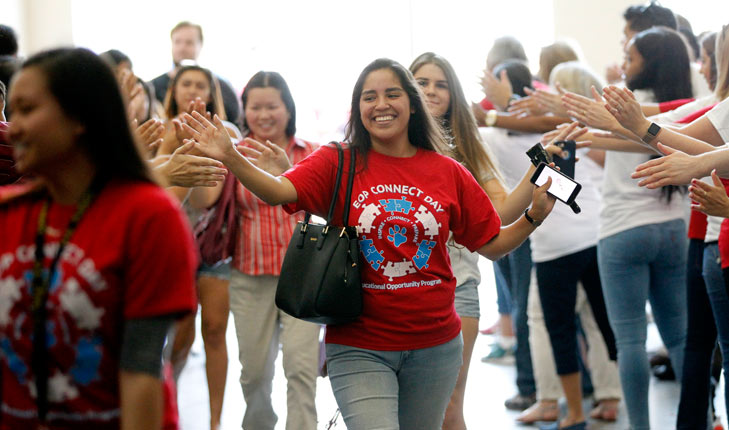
320, 279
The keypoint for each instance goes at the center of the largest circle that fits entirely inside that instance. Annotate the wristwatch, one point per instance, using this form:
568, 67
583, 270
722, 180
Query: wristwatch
531, 220
491, 117
651, 133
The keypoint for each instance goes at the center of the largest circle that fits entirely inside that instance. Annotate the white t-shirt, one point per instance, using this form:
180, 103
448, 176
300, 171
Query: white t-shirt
671, 116
564, 232
719, 117
625, 205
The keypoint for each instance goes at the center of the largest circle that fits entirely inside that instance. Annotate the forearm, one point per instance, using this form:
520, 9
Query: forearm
530, 124
274, 190
141, 401
617, 144
718, 159
512, 207
650, 109
204, 197
507, 240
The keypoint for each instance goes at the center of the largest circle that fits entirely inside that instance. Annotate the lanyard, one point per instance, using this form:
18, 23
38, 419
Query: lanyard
39, 291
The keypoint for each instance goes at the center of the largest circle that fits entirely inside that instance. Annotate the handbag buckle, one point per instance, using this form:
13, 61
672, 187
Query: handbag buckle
325, 230
344, 233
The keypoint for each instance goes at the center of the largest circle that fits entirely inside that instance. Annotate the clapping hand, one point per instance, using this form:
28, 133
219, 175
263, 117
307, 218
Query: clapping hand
497, 90
266, 156
211, 138
621, 103
591, 112
185, 170
710, 199
150, 133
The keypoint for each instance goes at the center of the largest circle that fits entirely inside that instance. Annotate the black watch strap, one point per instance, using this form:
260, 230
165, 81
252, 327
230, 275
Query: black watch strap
531, 220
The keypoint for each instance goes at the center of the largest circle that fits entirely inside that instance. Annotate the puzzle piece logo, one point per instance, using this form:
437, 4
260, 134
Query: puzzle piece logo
397, 205
371, 254
425, 248
367, 218
428, 221
395, 270
397, 235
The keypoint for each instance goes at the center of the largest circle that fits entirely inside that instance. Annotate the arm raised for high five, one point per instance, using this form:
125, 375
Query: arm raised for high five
678, 168
212, 139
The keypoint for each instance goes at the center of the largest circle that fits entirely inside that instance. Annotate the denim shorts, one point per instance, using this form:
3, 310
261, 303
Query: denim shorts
219, 270
467, 299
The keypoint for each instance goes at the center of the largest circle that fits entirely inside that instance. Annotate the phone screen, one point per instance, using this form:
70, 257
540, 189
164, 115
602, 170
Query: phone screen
562, 187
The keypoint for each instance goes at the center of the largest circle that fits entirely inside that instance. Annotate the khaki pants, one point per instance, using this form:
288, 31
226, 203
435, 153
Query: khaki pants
260, 326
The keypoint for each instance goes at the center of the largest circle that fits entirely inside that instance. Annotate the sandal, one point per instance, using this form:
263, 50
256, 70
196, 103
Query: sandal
606, 410
540, 411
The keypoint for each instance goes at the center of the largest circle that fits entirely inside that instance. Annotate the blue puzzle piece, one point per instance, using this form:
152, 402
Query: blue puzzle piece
88, 357
397, 205
371, 254
397, 235
15, 363
424, 250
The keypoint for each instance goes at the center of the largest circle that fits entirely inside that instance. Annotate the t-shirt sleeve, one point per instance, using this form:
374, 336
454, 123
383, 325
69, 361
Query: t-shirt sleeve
313, 178
159, 274
719, 117
474, 220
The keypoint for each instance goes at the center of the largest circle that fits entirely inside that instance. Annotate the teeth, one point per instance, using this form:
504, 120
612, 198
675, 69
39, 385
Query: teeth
384, 118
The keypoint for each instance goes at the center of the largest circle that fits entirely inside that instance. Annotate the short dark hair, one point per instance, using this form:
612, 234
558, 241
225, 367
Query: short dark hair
423, 130
8, 41
643, 17
666, 66
183, 24
87, 91
265, 79
518, 73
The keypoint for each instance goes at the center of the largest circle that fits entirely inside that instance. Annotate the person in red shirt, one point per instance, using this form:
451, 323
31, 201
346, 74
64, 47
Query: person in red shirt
96, 261
395, 366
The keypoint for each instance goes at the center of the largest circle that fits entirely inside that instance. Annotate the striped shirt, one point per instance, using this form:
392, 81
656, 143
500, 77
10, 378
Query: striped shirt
264, 231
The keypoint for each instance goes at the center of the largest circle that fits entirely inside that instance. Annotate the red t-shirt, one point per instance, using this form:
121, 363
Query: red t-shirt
404, 209
132, 256
673, 104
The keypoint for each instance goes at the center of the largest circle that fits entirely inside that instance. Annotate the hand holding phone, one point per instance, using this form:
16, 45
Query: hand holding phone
563, 187
566, 162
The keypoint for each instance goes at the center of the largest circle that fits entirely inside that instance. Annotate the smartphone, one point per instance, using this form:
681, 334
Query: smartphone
567, 164
563, 187
537, 155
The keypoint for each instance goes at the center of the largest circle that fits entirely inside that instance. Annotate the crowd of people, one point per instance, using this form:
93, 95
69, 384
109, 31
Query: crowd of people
125, 205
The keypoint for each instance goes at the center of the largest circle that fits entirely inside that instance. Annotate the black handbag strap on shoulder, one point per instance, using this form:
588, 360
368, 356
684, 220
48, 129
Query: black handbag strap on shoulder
337, 182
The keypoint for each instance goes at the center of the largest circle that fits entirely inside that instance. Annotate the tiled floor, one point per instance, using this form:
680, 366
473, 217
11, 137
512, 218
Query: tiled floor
488, 386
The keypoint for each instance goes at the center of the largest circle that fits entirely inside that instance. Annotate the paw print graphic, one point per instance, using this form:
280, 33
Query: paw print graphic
397, 235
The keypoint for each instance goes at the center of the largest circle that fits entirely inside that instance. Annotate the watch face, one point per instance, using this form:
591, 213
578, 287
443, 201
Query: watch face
654, 129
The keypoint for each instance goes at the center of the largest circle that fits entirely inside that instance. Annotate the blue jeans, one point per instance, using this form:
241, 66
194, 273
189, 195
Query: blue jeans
394, 390
693, 407
503, 296
517, 269
639, 264
719, 299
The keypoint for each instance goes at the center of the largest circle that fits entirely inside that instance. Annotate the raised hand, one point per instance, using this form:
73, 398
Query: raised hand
621, 103
185, 170
591, 112
266, 156
527, 106
710, 199
552, 102
676, 168
198, 105
497, 90
211, 138
150, 133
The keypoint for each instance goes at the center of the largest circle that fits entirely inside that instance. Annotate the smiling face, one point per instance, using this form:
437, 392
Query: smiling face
385, 108
266, 114
43, 136
434, 84
191, 84
633, 63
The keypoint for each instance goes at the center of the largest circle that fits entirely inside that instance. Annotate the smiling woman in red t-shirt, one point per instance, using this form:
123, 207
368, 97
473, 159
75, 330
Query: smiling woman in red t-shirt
96, 261
396, 366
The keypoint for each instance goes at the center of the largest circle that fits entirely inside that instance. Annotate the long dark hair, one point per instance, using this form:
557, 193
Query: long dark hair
460, 122
265, 79
666, 65
87, 91
423, 130
214, 105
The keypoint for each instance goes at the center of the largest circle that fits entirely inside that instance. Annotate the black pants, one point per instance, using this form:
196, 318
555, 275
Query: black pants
557, 280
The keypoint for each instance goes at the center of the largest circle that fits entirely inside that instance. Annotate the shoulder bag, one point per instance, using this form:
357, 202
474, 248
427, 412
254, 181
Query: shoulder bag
320, 279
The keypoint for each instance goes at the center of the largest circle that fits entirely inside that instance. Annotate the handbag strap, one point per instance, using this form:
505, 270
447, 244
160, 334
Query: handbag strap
350, 181
337, 181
